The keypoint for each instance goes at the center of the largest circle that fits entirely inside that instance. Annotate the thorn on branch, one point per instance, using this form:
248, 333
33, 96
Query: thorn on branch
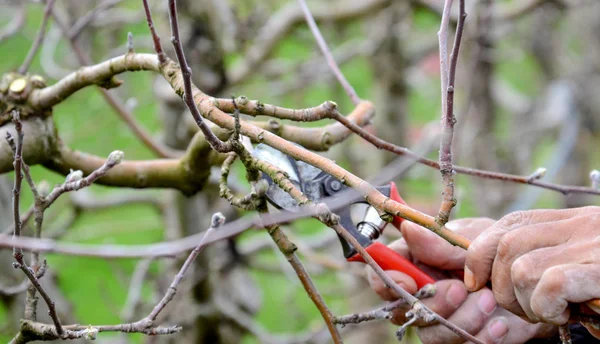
538, 174
130, 43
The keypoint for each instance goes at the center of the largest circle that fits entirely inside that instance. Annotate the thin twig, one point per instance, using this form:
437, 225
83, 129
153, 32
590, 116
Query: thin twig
182, 245
32, 186
288, 249
134, 292
285, 245
217, 220
39, 39
327, 53
44, 98
157, 46
448, 118
186, 73
113, 160
384, 312
15, 24
20, 264
357, 318
18, 156
85, 20
31, 330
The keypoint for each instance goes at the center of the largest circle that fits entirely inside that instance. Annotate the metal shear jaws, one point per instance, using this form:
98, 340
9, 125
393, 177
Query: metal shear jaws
359, 218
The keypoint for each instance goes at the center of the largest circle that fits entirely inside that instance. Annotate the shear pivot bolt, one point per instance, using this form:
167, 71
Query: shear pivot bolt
335, 185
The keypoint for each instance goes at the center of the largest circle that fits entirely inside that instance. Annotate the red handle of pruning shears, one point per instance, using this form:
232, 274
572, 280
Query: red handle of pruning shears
389, 259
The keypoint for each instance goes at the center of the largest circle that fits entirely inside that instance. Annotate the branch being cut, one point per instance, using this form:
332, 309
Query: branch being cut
448, 74
51, 95
286, 247
418, 310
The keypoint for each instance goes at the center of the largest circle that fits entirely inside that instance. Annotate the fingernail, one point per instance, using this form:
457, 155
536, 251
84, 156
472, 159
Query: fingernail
456, 295
594, 306
486, 302
498, 329
469, 279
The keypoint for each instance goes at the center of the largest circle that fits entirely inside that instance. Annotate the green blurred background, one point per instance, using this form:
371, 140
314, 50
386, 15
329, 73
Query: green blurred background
96, 288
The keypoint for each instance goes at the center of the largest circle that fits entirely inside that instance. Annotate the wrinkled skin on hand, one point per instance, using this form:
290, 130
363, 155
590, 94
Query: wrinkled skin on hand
477, 312
539, 261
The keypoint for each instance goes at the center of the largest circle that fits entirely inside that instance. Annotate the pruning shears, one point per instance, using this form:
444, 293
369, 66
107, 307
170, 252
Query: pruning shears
359, 218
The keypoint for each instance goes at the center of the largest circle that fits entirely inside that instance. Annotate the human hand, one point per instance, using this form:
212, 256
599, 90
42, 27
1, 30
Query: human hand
539, 261
476, 312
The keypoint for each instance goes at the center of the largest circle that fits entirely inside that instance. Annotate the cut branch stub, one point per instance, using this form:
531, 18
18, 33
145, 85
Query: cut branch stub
14, 92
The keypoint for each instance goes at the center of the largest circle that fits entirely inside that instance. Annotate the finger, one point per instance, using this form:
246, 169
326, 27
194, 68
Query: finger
449, 296
388, 294
482, 251
430, 249
505, 327
512, 246
562, 284
495, 331
471, 317
592, 329
527, 270
401, 247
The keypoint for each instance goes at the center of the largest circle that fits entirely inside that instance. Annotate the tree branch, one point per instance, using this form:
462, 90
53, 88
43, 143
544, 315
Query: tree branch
282, 22
51, 95
448, 119
39, 39
327, 53
186, 73
16, 24
140, 132
156, 40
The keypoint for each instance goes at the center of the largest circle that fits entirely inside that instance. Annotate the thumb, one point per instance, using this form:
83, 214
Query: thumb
430, 249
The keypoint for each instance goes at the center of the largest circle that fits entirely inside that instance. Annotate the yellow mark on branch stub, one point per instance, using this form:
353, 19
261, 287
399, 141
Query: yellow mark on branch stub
18, 85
